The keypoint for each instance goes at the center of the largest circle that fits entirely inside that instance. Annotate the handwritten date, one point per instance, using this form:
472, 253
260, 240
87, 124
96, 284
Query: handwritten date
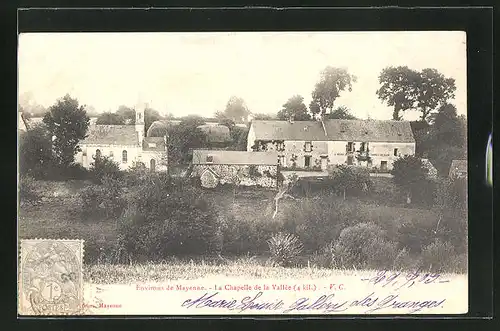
399, 280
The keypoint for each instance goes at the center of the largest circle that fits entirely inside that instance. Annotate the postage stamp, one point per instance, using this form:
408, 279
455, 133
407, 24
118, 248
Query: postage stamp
51, 281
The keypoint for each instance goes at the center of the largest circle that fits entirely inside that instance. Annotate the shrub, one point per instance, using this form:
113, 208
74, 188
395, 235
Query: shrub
438, 256
416, 234
364, 246
168, 218
103, 200
284, 248
103, 166
246, 236
27, 190
318, 222
350, 180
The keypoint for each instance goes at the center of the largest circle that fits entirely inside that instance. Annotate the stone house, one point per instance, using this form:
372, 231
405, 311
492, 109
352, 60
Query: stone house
124, 144
315, 145
219, 167
458, 169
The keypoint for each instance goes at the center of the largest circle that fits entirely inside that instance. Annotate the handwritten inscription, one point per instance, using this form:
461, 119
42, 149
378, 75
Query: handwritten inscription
322, 304
407, 280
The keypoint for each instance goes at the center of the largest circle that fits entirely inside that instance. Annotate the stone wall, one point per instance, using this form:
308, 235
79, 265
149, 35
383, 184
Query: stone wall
212, 175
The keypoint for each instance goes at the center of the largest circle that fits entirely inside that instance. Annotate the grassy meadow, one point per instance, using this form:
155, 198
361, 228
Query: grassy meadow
247, 216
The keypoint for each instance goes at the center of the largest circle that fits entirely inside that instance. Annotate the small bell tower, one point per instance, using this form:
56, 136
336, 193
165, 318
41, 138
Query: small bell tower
140, 109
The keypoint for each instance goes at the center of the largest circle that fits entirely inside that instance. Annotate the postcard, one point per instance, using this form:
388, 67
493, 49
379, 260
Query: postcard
244, 173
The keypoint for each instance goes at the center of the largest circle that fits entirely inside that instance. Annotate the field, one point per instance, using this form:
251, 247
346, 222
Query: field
249, 213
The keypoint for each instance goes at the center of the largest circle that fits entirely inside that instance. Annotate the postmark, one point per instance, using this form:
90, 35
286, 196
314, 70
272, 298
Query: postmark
51, 279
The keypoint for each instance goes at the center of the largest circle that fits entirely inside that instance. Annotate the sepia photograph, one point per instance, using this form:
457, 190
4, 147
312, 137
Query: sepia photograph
233, 173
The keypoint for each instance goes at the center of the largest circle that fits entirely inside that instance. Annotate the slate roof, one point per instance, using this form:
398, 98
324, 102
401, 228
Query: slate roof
337, 130
458, 166
235, 157
153, 144
111, 135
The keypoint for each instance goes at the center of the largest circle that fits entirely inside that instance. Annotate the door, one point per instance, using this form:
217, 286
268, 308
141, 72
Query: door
152, 165
383, 165
324, 163
350, 160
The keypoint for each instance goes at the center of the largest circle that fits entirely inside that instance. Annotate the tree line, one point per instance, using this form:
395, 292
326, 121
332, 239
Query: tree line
440, 133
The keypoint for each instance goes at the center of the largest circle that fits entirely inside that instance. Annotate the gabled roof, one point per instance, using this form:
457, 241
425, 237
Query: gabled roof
336, 130
153, 144
111, 135
234, 157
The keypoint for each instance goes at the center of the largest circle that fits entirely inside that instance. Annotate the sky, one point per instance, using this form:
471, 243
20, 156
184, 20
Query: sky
197, 73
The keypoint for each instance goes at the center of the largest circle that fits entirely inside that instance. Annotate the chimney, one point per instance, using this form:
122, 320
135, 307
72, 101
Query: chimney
291, 119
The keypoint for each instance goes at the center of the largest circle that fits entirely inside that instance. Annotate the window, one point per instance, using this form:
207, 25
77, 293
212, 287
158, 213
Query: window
111, 154
362, 147
97, 153
350, 160
84, 153
395, 152
152, 165
210, 159
350, 147
383, 165
280, 146
124, 156
308, 146
307, 161
281, 160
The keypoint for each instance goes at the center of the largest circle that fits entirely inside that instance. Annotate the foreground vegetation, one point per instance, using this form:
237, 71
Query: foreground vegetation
142, 219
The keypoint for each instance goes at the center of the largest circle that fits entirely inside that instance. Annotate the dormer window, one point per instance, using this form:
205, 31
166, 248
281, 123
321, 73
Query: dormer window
153, 145
210, 159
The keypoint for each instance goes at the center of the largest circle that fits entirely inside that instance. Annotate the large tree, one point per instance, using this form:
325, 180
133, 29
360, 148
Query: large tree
445, 139
332, 82
409, 172
341, 113
35, 151
127, 113
184, 137
434, 91
235, 110
110, 119
406, 89
150, 115
294, 107
67, 122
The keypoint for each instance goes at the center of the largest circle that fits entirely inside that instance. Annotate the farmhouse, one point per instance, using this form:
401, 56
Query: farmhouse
215, 167
124, 144
458, 169
314, 145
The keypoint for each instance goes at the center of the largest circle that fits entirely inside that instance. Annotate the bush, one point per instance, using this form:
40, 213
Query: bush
364, 246
103, 166
438, 257
246, 237
284, 248
27, 190
318, 222
168, 218
103, 200
415, 234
